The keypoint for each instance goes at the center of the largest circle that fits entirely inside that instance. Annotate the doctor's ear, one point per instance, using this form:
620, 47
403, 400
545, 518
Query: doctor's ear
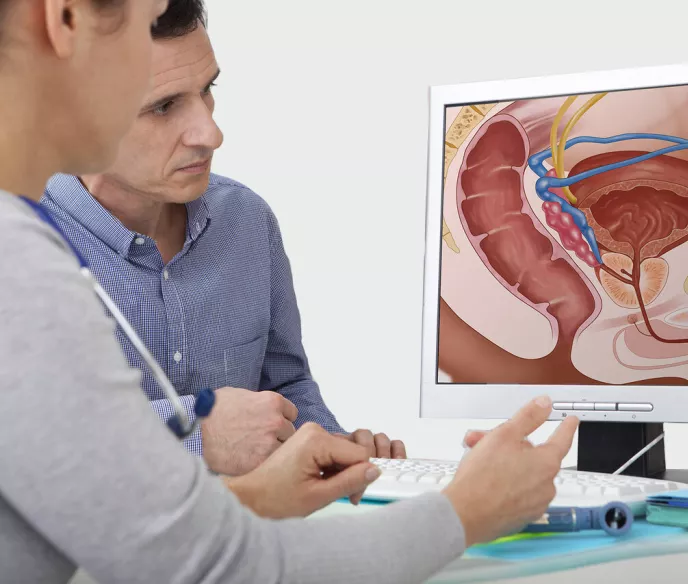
65, 20
62, 18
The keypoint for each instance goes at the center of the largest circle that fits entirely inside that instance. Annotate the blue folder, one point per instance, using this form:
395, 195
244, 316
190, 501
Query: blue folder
671, 499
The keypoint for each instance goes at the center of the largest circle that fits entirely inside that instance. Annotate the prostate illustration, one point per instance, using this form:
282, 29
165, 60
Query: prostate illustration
564, 256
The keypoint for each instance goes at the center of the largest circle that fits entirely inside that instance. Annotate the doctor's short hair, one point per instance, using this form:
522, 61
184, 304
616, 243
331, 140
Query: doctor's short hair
181, 18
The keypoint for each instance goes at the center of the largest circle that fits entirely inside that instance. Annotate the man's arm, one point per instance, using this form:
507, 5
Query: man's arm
285, 368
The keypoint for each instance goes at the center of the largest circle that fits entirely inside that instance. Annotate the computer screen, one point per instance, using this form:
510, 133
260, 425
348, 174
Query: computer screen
557, 247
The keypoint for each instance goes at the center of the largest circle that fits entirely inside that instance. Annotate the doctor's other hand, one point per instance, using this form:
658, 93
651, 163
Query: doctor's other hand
377, 445
244, 428
310, 471
504, 482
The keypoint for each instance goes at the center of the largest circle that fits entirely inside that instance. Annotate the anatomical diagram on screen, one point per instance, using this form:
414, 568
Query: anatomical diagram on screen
565, 240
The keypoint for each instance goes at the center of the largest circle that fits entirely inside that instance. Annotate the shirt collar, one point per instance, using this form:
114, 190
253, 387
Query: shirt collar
71, 195
198, 217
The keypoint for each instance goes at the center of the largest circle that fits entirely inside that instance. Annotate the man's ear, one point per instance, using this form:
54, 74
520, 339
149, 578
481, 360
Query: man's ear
61, 20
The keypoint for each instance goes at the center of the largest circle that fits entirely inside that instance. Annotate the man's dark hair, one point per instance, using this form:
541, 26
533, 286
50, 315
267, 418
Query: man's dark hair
181, 18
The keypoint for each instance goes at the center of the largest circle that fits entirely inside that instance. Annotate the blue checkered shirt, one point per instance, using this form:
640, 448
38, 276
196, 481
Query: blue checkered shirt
222, 313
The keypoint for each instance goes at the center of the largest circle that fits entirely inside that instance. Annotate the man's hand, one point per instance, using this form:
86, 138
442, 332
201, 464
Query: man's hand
244, 428
505, 482
378, 445
310, 471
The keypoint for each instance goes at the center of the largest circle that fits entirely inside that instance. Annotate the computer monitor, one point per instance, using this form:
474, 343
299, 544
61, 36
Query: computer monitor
557, 247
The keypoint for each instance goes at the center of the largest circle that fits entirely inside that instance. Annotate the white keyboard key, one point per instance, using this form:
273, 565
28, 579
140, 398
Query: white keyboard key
409, 477
445, 480
390, 475
393, 465
570, 489
430, 478
593, 491
621, 491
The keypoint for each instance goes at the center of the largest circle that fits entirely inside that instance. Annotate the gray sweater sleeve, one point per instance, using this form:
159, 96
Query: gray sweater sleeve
91, 469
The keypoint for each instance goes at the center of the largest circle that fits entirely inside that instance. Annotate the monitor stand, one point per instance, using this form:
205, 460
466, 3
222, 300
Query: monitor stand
606, 446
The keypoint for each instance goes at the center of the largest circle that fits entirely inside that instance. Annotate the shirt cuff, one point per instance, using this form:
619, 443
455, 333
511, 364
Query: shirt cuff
194, 442
164, 409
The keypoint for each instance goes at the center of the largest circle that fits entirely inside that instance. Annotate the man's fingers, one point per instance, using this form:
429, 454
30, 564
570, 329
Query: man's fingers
285, 431
562, 438
398, 449
383, 446
341, 453
289, 410
365, 438
529, 418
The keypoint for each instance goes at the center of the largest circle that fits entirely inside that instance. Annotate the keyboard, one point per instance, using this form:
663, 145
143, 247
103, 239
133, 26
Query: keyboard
401, 479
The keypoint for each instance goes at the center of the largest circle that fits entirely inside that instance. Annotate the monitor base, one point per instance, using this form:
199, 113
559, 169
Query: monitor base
606, 446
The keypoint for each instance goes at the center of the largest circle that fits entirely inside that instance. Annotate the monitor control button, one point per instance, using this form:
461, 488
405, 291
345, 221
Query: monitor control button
605, 407
588, 406
562, 405
636, 407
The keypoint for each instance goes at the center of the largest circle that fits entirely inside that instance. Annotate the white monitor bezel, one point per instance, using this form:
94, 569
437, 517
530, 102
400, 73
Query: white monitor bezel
501, 401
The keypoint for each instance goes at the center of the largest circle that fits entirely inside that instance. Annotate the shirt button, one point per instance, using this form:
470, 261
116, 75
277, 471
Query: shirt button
166, 275
198, 226
177, 356
139, 241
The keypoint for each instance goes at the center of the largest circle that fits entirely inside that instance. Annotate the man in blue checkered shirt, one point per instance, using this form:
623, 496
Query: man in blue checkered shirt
196, 263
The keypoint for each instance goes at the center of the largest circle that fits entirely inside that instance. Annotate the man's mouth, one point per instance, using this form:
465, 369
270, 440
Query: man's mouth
196, 167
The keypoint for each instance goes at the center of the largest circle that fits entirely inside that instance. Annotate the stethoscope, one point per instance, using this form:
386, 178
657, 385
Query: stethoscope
179, 423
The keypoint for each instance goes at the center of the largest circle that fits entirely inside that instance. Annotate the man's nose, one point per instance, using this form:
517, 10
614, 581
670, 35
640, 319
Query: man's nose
202, 131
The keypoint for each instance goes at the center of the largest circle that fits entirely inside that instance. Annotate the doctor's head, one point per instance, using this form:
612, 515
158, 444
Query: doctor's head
61, 63
167, 153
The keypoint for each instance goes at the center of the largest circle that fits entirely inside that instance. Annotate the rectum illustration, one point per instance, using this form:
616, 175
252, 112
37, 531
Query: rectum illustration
565, 240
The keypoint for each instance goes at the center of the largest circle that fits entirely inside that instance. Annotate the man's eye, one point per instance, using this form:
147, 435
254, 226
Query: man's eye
163, 109
209, 89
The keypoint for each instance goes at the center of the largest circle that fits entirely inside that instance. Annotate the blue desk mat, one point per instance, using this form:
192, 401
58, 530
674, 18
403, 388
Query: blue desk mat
528, 547
525, 547
533, 554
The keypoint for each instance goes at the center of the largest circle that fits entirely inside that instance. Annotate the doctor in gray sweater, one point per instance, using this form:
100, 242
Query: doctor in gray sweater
89, 476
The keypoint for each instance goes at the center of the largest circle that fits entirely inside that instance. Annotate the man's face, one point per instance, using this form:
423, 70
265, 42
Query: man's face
166, 155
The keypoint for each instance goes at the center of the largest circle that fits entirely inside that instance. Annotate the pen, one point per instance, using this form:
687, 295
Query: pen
613, 518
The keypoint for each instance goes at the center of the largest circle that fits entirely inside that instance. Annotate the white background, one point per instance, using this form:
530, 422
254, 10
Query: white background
324, 106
